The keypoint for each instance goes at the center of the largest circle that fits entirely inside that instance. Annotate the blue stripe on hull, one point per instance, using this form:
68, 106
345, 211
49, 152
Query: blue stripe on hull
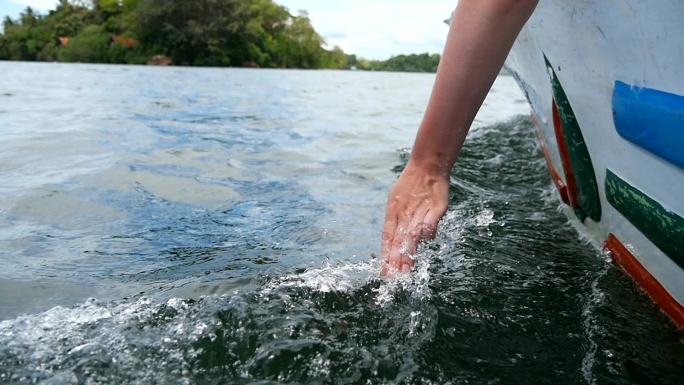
651, 119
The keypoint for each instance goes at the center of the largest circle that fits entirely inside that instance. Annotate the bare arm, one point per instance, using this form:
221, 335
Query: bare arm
481, 34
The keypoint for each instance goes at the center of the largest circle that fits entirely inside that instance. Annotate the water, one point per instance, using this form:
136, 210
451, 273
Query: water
179, 225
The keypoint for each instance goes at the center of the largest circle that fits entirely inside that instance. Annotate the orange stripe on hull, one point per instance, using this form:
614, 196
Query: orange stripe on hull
651, 286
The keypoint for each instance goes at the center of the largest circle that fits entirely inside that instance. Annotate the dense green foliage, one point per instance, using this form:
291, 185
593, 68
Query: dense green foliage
406, 63
254, 33
199, 32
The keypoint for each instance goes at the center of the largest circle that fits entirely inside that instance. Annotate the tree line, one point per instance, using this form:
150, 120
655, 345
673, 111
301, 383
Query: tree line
238, 33
406, 63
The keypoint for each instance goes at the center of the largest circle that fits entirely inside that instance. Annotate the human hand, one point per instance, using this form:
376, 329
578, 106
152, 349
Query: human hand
416, 203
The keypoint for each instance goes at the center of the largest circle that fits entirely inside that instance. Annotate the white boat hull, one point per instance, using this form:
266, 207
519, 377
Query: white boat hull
601, 54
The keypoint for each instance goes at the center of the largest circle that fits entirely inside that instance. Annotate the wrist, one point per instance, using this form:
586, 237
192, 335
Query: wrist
434, 166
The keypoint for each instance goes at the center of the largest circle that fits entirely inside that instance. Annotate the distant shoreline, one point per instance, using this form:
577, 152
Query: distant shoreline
214, 67
504, 71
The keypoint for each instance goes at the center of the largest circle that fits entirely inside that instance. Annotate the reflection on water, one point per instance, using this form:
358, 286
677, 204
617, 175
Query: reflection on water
224, 220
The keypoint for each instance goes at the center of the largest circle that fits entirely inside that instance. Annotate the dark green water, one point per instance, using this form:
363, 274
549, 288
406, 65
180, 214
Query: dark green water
222, 221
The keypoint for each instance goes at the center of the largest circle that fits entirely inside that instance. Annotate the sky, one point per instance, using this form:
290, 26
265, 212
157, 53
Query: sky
373, 29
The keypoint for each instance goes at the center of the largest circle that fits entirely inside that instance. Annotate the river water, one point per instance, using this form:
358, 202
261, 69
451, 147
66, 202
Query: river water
200, 225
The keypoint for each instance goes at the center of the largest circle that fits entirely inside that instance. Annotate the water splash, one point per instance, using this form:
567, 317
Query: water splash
342, 277
241, 334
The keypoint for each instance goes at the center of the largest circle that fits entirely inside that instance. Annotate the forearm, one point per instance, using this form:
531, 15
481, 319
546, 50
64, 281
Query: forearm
481, 35
482, 32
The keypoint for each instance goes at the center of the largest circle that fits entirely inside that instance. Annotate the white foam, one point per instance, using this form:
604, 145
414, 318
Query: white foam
343, 278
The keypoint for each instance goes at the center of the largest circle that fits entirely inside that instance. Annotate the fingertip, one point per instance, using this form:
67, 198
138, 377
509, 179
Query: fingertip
405, 268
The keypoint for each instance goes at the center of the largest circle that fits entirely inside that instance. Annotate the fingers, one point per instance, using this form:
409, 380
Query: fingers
421, 225
398, 244
403, 230
413, 236
388, 231
405, 240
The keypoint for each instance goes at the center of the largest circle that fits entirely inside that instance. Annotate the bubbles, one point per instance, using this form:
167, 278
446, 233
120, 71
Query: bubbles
485, 218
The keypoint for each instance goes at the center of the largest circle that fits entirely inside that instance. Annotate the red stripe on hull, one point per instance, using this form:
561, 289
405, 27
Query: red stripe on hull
565, 157
560, 185
621, 255
648, 283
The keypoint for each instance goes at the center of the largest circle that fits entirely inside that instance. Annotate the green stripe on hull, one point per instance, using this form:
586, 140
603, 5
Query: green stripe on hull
664, 228
582, 168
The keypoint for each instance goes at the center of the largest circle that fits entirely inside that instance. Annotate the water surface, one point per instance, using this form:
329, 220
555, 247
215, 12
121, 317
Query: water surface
198, 225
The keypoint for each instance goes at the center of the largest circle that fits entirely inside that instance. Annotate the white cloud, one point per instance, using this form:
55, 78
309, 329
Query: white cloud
377, 29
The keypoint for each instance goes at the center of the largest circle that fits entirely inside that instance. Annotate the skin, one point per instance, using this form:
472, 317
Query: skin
481, 35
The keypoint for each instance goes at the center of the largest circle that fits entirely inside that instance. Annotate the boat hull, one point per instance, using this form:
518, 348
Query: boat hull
605, 80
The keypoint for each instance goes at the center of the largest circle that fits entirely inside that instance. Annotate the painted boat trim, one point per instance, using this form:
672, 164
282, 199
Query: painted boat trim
658, 294
566, 163
651, 119
586, 201
662, 227
560, 185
